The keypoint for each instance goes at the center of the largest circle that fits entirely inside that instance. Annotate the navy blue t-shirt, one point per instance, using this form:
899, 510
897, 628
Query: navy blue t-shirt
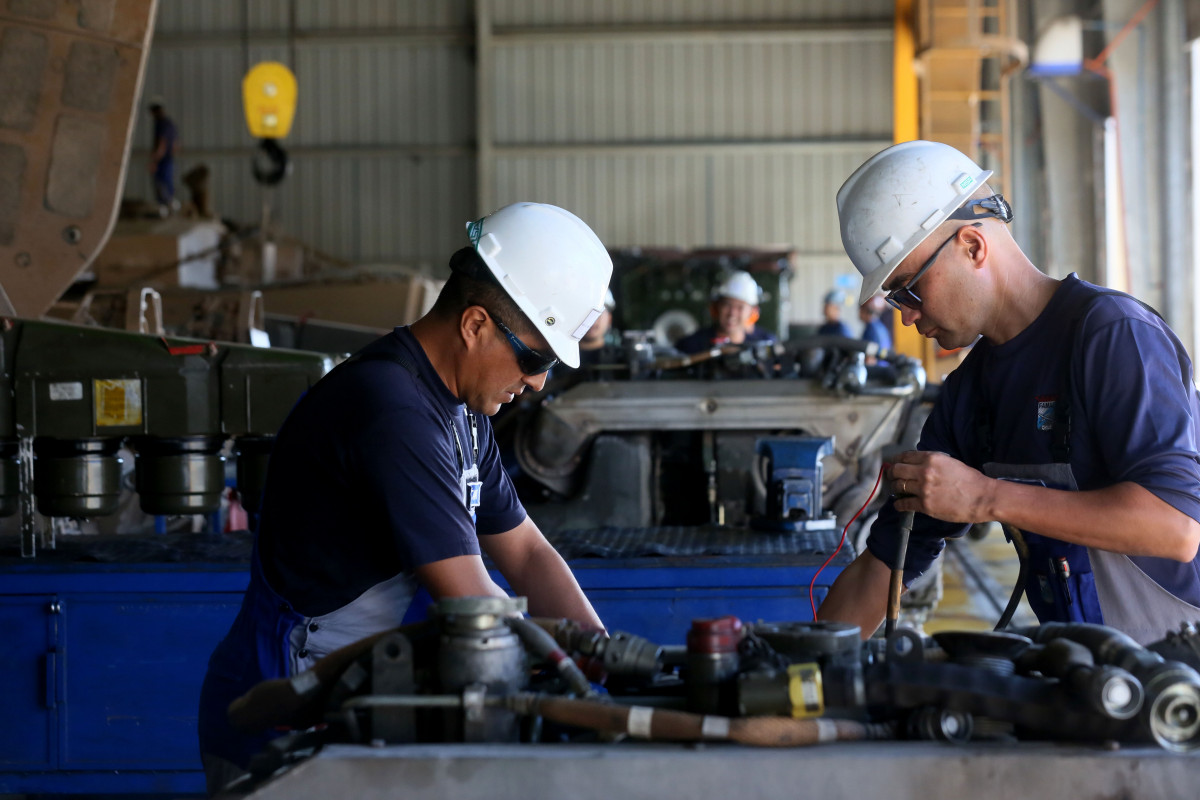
365, 480
701, 340
1134, 416
835, 328
875, 331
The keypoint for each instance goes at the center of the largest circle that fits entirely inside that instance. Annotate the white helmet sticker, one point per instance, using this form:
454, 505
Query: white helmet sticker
592, 316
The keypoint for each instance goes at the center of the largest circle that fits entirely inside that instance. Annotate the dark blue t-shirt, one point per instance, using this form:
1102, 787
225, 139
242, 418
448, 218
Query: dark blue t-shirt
364, 481
835, 328
701, 340
1134, 416
875, 331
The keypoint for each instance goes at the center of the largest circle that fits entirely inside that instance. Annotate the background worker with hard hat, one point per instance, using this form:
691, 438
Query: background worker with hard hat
386, 477
1073, 420
734, 311
831, 310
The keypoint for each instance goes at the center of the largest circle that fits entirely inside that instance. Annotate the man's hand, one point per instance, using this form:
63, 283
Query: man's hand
941, 487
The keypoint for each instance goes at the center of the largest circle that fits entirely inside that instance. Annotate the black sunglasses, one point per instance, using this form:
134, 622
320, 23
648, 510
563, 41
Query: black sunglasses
904, 296
529, 361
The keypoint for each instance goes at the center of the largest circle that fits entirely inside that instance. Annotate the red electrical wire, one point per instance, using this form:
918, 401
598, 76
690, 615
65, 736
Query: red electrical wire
812, 586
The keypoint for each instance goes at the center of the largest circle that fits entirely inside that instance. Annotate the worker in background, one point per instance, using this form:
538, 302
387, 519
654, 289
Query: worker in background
601, 336
831, 309
734, 311
386, 477
162, 157
1073, 419
874, 329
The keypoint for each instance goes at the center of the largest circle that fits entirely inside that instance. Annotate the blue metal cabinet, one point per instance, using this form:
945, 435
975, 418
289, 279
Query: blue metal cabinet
100, 674
131, 677
28, 682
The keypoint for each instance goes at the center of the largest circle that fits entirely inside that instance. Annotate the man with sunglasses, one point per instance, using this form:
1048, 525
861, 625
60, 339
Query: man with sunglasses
385, 478
1073, 419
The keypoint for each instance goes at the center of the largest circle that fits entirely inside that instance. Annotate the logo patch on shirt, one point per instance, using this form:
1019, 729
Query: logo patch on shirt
1045, 413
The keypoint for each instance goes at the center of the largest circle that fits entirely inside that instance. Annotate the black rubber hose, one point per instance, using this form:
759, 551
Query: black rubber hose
543, 647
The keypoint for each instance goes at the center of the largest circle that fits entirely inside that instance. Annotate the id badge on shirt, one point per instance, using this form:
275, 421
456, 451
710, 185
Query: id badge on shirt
474, 491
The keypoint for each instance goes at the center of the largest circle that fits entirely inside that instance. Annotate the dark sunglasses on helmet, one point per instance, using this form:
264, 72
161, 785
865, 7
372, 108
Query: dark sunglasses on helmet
994, 206
529, 361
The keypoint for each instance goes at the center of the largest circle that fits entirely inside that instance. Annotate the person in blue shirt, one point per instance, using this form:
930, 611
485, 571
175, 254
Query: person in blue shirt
1073, 419
162, 157
386, 478
831, 309
874, 330
734, 312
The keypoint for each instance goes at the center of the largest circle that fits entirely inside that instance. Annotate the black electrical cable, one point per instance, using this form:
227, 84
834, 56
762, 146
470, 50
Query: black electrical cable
1022, 548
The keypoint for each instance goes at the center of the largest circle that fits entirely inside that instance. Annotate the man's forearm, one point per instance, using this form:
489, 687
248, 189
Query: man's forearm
859, 595
1124, 518
548, 583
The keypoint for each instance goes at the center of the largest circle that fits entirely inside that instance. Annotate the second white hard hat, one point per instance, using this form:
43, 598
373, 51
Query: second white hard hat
898, 198
740, 286
553, 267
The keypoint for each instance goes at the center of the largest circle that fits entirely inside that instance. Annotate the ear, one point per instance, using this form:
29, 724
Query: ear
977, 245
753, 318
472, 327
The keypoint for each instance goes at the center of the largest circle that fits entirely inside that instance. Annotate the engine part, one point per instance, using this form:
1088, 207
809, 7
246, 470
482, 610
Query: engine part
797, 691
183, 475
1170, 714
76, 478
1107, 689
478, 649
712, 664
939, 724
991, 650
620, 654
827, 643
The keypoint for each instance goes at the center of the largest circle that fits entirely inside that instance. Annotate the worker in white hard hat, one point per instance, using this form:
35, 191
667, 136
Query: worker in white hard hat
386, 479
734, 311
1072, 421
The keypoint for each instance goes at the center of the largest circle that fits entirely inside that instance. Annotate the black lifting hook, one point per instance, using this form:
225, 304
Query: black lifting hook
278, 167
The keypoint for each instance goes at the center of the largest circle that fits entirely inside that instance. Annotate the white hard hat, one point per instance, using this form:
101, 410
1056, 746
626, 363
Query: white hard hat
740, 286
553, 267
898, 198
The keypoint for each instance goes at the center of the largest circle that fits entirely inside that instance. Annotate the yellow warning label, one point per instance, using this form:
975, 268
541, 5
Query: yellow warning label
118, 403
805, 691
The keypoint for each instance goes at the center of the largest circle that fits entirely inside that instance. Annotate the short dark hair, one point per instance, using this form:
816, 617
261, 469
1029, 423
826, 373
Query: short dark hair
471, 283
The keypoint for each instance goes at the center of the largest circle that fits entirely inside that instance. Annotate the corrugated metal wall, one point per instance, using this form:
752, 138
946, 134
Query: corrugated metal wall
662, 122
